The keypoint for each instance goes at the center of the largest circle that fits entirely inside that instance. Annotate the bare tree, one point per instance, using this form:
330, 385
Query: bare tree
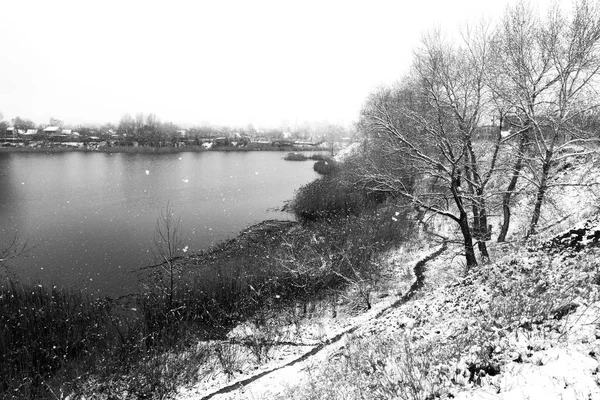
572, 45
152, 120
168, 249
126, 126
11, 251
22, 123
429, 155
545, 72
469, 109
333, 133
139, 119
516, 79
430, 122
55, 122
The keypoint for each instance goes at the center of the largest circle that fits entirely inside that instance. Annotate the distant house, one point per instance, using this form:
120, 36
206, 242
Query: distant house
182, 132
261, 139
52, 130
221, 141
30, 132
70, 134
282, 143
12, 131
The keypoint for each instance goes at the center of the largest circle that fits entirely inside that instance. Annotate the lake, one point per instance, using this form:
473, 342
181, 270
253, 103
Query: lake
90, 218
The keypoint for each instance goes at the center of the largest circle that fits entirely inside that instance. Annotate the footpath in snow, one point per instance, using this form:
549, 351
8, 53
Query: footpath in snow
274, 377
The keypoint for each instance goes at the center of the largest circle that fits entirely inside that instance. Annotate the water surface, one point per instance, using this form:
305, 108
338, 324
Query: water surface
90, 218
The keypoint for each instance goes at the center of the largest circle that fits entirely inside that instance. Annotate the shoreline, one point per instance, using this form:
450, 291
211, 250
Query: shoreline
265, 232
156, 150
238, 245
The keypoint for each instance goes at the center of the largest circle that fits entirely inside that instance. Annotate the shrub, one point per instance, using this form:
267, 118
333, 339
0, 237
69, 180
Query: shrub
325, 166
328, 198
341, 253
295, 157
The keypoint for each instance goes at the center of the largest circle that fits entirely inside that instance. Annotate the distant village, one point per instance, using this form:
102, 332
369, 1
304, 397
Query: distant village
148, 132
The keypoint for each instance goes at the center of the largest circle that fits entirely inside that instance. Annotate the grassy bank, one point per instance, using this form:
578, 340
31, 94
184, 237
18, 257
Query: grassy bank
62, 341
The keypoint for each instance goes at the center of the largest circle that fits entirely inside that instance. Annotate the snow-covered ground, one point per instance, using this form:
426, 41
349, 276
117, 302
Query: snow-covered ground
525, 326
322, 335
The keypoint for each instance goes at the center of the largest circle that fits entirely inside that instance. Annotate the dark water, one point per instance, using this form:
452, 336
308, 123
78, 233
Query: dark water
90, 218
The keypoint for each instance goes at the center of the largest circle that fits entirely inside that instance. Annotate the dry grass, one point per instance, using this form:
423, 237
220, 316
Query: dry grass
464, 332
376, 368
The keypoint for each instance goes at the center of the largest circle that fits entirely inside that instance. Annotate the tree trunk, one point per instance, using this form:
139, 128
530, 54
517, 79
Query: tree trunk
463, 222
483, 233
510, 190
468, 240
480, 228
541, 194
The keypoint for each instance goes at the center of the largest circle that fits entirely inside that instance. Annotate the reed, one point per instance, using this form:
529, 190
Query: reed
41, 329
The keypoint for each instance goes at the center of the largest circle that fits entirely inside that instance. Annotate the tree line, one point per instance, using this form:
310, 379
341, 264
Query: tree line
149, 130
535, 76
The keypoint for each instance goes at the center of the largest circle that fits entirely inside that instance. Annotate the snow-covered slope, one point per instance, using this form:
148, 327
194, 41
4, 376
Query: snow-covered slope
525, 326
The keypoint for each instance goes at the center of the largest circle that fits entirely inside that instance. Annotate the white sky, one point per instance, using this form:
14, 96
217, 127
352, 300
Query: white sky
225, 62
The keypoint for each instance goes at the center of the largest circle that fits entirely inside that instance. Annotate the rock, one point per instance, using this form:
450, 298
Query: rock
576, 238
562, 311
516, 357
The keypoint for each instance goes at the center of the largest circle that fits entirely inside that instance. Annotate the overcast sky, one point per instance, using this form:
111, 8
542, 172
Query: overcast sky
225, 62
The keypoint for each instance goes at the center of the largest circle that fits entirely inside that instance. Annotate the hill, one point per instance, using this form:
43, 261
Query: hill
526, 325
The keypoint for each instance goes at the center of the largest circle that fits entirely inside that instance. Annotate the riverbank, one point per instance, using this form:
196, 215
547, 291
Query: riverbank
519, 326
524, 326
295, 156
320, 335
58, 148
156, 340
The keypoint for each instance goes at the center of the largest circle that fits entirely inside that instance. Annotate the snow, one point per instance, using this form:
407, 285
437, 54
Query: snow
509, 306
558, 373
347, 151
311, 333
550, 363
